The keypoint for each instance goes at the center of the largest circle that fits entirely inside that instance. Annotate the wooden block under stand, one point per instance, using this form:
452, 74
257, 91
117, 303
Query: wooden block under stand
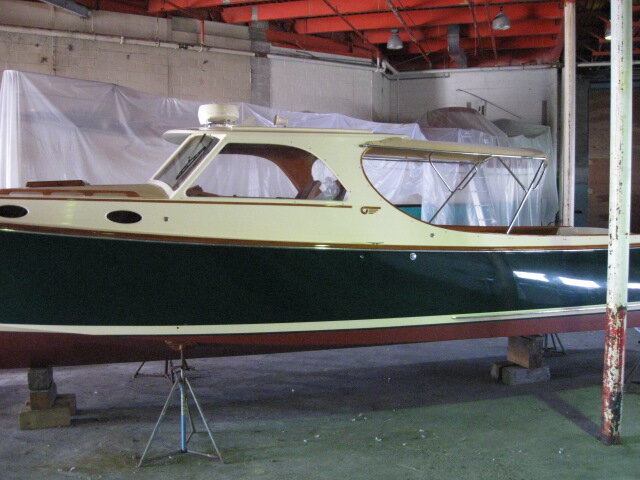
43, 399
59, 415
526, 351
69, 400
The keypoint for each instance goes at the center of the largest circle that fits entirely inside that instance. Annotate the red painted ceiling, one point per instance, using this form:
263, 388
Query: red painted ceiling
427, 28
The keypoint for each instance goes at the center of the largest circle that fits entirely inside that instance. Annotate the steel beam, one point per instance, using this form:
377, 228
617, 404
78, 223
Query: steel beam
619, 219
449, 16
469, 44
318, 8
157, 6
307, 42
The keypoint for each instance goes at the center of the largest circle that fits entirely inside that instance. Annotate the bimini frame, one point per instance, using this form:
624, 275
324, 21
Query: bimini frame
403, 149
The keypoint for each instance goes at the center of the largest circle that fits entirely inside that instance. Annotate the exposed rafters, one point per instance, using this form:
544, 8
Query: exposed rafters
435, 33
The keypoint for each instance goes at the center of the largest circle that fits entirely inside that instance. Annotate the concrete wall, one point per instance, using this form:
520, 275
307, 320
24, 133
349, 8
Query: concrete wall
156, 70
207, 76
316, 87
278, 82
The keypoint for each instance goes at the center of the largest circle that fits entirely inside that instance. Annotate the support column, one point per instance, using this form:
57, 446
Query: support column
567, 175
619, 219
260, 65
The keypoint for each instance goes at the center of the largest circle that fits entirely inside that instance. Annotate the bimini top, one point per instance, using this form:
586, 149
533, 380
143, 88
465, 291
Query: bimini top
403, 148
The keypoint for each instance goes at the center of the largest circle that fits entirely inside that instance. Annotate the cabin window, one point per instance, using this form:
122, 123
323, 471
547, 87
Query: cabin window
267, 171
188, 157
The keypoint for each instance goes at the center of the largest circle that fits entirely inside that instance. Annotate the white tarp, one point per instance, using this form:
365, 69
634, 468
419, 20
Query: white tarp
54, 128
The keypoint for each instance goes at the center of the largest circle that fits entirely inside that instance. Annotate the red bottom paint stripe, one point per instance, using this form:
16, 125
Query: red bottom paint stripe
25, 349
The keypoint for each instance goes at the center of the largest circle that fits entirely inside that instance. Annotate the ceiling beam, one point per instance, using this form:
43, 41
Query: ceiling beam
318, 8
317, 44
469, 44
158, 6
450, 16
522, 27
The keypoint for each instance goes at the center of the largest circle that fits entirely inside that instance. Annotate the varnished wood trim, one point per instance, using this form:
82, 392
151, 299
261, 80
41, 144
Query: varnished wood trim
263, 243
57, 183
50, 191
234, 202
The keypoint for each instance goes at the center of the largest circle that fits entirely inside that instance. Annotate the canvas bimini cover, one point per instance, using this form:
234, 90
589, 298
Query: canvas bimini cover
54, 128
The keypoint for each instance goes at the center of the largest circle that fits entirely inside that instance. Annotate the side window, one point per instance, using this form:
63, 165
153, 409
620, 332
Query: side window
267, 171
188, 157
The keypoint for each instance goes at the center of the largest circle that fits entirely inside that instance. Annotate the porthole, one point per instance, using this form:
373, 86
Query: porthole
12, 211
124, 216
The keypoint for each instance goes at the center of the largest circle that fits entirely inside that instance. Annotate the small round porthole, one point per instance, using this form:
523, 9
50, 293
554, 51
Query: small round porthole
12, 211
124, 216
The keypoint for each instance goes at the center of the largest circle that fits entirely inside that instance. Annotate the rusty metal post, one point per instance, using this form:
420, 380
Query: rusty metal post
619, 215
568, 171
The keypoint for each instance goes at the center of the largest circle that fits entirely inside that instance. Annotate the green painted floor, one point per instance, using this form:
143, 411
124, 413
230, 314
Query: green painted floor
426, 411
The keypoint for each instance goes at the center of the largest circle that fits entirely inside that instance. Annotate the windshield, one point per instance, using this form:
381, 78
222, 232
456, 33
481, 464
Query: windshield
192, 152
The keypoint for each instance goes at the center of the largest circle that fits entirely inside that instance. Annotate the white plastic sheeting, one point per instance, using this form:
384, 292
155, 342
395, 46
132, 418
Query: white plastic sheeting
528, 135
58, 128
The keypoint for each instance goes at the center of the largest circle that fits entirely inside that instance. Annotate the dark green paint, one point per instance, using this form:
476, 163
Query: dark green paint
57, 279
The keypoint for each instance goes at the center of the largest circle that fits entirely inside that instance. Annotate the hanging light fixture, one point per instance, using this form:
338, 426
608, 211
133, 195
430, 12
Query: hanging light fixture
501, 22
394, 42
607, 31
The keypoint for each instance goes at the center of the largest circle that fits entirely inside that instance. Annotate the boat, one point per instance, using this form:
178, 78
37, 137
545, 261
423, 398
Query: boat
307, 255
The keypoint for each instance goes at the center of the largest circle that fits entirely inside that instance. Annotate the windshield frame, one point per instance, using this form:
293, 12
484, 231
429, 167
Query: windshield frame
192, 154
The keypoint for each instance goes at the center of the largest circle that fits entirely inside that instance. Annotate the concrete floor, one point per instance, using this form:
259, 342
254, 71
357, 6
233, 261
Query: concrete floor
423, 411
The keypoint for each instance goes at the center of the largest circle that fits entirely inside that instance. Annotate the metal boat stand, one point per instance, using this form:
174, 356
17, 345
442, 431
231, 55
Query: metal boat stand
552, 345
630, 376
169, 370
187, 426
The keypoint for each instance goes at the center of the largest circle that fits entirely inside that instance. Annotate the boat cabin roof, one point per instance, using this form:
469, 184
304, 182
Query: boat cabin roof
393, 147
178, 136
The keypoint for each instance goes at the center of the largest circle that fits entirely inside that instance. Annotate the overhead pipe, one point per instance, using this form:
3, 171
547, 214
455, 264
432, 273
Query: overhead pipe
441, 72
567, 171
601, 64
619, 219
122, 40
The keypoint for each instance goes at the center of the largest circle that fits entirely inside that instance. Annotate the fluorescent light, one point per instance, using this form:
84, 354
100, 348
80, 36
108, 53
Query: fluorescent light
577, 282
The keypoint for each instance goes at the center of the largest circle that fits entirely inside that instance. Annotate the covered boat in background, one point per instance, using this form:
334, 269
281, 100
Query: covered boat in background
252, 239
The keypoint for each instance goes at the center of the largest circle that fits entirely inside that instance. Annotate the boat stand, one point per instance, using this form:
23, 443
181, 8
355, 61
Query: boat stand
168, 371
630, 376
552, 345
187, 426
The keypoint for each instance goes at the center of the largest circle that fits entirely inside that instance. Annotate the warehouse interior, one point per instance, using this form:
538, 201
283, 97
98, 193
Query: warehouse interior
475, 72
